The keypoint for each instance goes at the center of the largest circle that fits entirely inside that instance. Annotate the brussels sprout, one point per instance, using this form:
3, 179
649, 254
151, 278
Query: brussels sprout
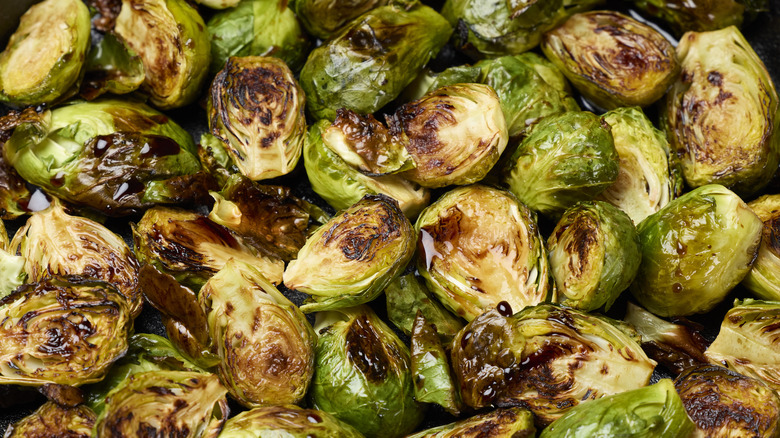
324, 18
111, 68
362, 374
192, 248
480, 246
44, 57
265, 343
350, 259
594, 255
341, 185
53, 420
652, 411
747, 341
173, 43
256, 108
61, 331
165, 403
257, 28
110, 155
764, 278
545, 358
55, 243
723, 403
647, 179
454, 134
369, 63
430, 368
701, 15
566, 158
612, 59
287, 421
694, 251
721, 116
505, 422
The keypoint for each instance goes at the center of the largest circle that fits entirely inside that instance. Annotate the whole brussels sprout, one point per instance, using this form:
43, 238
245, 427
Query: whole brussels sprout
53, 420
503, 422
362, 374
594, 255
647, 178
324, 18
764, 278
173, 43
479, 247
255, 107
369, 63
288, 421
723, 403
350, 259
567, 158
547, 359
701, 15
652, 411
64, 331
257, 28
721, 116
694, 251
431, 370
44, 57
111, 68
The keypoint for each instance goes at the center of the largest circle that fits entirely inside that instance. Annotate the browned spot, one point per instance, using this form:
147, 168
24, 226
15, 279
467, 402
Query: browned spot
365, 350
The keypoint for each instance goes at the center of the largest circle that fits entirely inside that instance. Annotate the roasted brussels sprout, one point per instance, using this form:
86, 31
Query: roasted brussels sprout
454, 134
652, 411
173, 43
545, 358
504, 422
479, 247
265, 343
350, 259
723, 403
61, 331
566, 158
430, 368
721, 116
110, 155
111, 68
362, 374
694, 251
288, 421
764, 278
324, 18
594, 255
256, 108
369, 63
44, 57
55, 243
647, 178
612, 59
53, 420
341, 185
165, 403
257, 28
192, 248
701, 15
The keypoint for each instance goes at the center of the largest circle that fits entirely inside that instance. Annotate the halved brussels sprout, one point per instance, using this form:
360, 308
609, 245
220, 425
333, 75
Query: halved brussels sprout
612, 59
503, 422
652, 411
53, 420
479, 247
165, 403
647, 178
324, 18
369, 63
287, 421
192, 248
547, 359
566, 158
701, 15
173, 43
54, 243
265, 343
721, 116
110, 155
431, 368
764, 277
341, 185
454, 134
61, 331
257, 28
43, 59
111, 68
594, 255
694, 251
723, 403
362, 374
255, 107
350, 259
